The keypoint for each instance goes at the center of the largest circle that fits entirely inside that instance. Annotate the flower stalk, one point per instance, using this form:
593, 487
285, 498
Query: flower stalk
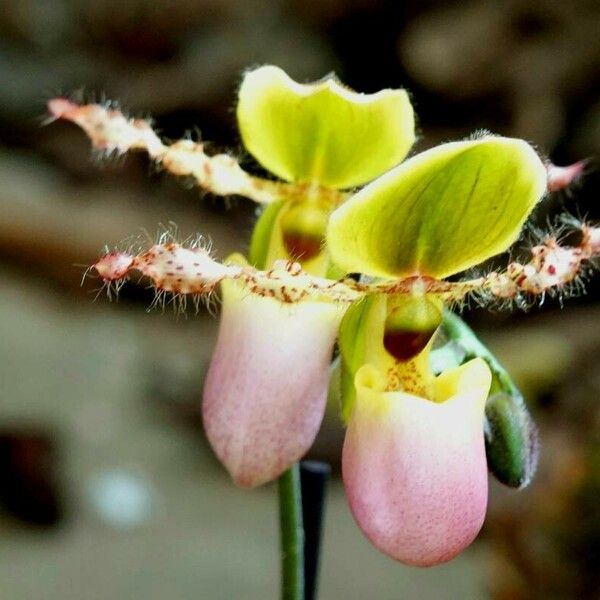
291, 534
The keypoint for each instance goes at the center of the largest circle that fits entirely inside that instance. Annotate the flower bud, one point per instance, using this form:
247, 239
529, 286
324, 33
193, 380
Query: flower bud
511, 440
510, 435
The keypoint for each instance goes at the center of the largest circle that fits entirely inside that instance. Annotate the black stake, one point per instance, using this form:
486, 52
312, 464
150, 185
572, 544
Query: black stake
314, 476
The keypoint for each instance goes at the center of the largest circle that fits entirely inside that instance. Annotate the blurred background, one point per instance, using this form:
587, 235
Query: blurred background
107, 486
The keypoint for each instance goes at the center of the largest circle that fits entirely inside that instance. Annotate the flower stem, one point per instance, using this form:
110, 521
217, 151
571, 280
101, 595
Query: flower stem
292, 535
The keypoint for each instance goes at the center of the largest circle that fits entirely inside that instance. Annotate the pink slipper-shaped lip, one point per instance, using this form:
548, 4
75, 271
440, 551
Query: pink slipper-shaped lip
266, 387
415, 470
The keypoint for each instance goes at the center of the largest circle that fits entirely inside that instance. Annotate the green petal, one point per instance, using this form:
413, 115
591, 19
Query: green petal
322, 132
440, 212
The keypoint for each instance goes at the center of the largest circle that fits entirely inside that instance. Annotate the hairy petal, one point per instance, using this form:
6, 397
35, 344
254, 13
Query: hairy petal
552, 267
561, 178
265, 391
110, 131
174, 268
415, 470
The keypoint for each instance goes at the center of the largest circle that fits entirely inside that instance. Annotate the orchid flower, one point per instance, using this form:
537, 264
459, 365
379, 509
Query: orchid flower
266, 389
414, 458
414, 462
261, 412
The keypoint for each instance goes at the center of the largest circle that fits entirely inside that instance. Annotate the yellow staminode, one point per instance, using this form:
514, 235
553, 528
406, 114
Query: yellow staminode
472, 380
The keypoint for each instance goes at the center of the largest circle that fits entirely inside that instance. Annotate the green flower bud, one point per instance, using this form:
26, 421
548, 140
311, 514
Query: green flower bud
511, 440
511, 437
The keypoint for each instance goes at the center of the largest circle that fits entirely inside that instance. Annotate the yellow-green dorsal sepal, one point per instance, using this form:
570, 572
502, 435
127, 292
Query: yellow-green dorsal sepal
440, 212
322, 132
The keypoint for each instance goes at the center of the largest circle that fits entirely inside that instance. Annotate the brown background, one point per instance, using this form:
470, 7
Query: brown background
98, 402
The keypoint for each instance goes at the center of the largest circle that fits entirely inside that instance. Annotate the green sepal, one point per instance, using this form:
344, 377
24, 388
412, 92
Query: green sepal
322, 132
440, 212
334, 272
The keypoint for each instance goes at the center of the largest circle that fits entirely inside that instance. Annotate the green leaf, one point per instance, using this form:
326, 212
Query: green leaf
440, 212
322, 132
